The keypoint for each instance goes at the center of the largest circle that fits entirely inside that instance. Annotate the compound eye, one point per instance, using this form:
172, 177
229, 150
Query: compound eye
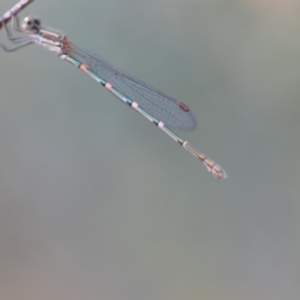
28, 23
37, 22
31, 24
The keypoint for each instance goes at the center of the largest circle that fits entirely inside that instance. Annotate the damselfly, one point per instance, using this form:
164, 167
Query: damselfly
160, 109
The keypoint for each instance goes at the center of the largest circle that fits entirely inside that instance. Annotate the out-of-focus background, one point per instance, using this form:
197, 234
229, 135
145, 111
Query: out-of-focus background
96, 203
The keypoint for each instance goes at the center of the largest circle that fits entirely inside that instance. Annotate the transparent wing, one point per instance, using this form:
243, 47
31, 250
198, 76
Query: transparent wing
172, 112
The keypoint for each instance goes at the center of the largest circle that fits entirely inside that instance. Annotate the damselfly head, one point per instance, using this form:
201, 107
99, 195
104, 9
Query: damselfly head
31, 24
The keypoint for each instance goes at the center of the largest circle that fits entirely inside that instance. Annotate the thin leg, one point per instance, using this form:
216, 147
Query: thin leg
9, 35
16, 47
16, 23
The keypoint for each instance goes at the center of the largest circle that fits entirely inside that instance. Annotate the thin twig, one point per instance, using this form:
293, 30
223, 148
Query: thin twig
13, 11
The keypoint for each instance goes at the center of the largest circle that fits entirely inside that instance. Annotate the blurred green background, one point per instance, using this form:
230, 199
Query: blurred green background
96, 203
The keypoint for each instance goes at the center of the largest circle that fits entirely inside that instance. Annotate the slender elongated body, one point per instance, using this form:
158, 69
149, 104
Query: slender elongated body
162, 110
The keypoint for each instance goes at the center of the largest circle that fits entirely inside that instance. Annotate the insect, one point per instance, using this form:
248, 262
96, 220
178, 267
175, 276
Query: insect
162, 110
